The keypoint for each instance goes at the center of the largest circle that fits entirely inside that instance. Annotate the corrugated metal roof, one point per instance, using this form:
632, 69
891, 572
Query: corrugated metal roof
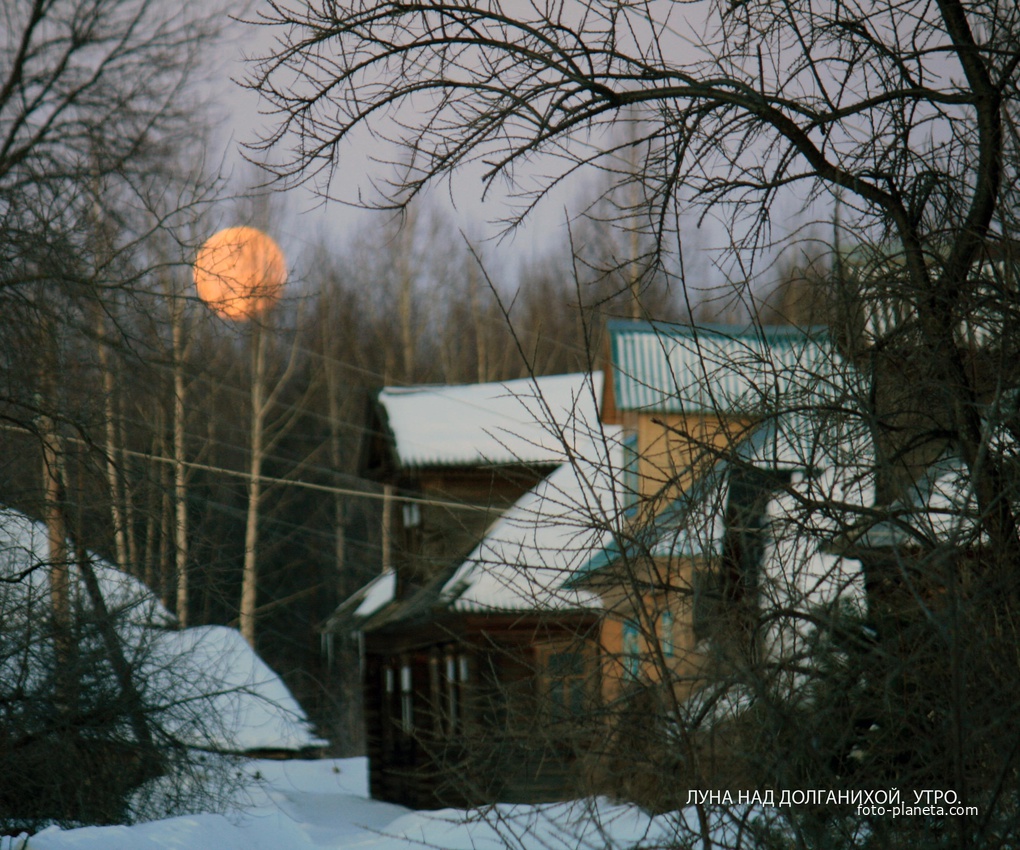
523, 421
666, 368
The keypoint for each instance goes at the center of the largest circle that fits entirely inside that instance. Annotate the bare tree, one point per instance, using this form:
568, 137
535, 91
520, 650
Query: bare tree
94, 120
911, 123
907, 114
896, 121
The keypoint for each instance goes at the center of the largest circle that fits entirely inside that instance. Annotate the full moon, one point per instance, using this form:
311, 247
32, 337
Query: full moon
239, 273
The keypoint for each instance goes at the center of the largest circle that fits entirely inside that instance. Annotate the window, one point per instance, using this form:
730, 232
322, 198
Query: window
406, 700
666, 634
452, 695
388, 681
565, 671
448, 676
412, 514
631, 649
708, 607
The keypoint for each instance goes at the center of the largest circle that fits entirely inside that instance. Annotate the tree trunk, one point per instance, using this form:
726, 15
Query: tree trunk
112, 446
249, 579
180, 480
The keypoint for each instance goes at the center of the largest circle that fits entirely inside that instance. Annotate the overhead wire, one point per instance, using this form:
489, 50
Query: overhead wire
290, 482
197, 375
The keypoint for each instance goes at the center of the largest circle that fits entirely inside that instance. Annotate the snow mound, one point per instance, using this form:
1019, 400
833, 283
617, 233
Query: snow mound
216, 693
204, 686
321, 804
24, 564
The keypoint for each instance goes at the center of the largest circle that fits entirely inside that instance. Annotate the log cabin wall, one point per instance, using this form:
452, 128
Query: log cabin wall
432, 537
467, 709
492, 715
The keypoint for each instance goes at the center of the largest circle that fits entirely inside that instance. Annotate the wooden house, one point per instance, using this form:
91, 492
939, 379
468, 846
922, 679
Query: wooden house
762, 527
707, 437
469, 660
453, 458
526, 668
726, 440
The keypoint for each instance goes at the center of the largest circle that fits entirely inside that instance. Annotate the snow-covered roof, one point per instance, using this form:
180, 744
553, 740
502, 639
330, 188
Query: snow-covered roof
690, 526
366, 601
524, 561
669, 368
377, 593
693, 526
521, 421
940, 507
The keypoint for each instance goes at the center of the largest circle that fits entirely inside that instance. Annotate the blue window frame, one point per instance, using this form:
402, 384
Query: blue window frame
666, 634
631, 648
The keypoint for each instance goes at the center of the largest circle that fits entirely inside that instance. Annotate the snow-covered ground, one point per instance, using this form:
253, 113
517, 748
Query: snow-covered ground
309, 805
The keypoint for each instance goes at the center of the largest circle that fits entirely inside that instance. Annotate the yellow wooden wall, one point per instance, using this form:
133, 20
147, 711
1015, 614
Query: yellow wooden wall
671, 592
674, 449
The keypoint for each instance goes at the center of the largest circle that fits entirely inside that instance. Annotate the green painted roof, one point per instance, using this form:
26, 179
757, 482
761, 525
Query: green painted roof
665, 368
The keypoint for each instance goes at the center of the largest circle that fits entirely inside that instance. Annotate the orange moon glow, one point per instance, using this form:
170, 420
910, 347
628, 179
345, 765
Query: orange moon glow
239, 273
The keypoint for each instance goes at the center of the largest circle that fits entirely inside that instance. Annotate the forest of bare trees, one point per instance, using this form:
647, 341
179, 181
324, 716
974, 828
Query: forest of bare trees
151, 375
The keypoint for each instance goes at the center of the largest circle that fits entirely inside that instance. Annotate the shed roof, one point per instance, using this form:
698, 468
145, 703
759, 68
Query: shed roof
666, 368
525, 421
367, 600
